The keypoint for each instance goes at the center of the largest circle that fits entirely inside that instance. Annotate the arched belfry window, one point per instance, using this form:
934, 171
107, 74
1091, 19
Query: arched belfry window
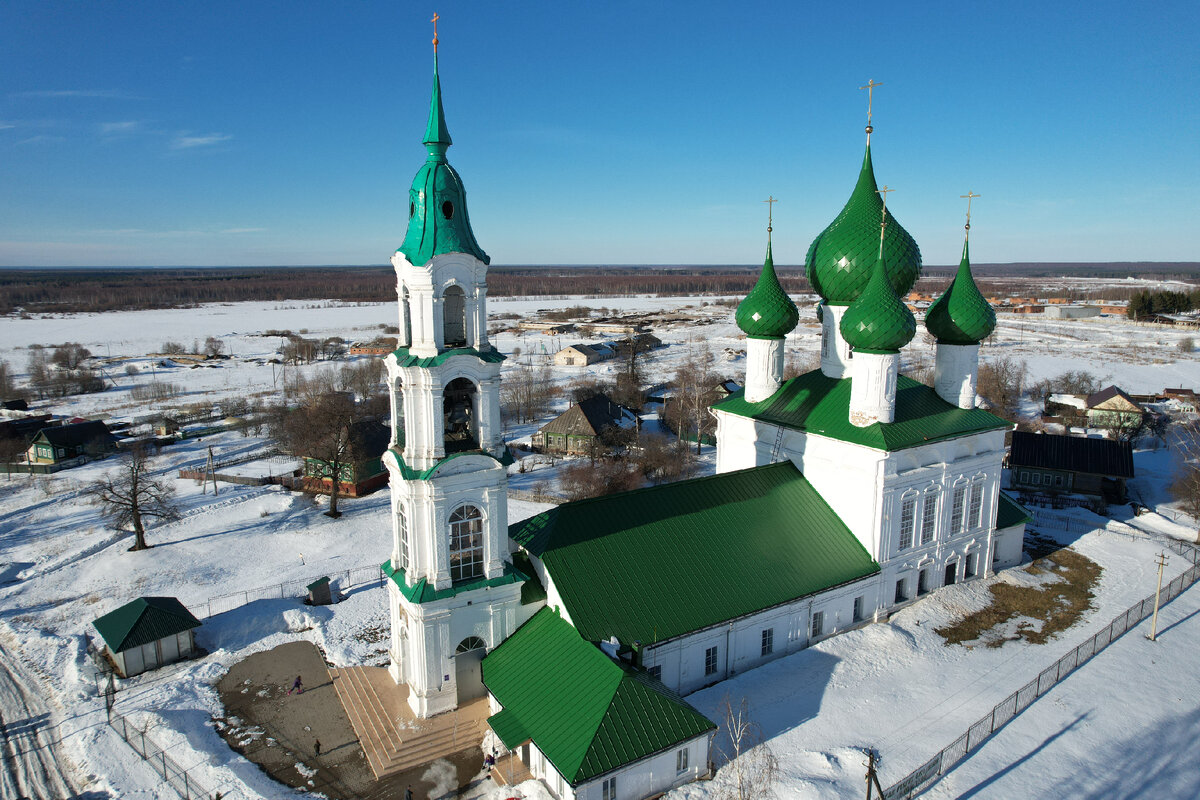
454, 317
405, 319
466, 544
458, 416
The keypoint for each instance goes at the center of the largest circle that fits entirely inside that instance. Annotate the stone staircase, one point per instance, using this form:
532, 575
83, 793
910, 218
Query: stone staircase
392, 739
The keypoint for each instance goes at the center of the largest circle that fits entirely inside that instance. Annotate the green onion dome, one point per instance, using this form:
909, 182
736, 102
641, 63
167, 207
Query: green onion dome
437, 202
961, 315
767, 312
840, 259
877, 321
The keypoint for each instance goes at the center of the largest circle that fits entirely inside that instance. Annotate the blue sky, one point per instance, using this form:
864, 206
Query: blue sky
245, 133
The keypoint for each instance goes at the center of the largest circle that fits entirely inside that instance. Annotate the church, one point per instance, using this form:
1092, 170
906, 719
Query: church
840, 496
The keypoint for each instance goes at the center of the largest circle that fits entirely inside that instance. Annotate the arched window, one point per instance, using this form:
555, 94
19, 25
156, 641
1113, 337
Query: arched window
402, 535
958, 506
470, 643
975, 506
929, 514
908, 519
460, 430
454, 317
466, 544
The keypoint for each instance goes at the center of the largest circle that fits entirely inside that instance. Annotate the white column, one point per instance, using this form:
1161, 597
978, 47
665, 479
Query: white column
835, 353
764, 368
955, 373
873, 388
481, 333
490, 429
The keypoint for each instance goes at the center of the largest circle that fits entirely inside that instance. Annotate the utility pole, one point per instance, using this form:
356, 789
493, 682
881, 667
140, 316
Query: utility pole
1161, 560
872, 776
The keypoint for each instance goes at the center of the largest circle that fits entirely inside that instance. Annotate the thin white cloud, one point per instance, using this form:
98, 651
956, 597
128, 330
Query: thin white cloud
112, 94
40, 138
6, 125
185, 142
243, 230
118, 128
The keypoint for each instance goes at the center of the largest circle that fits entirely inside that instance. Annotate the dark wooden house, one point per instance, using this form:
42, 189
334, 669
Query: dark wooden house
1042, 463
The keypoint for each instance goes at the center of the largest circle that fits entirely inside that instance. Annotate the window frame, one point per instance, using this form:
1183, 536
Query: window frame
958, 506
901, 595
817, 624
681, 761
856, 614
710, 660
768, 641
930, 505
405, 551
908, 519
975, 504
609, 788
471, 568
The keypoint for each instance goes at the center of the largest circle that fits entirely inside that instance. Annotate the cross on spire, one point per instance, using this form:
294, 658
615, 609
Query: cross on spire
770, 201
435, 39
870, 87
883, 193
968, 197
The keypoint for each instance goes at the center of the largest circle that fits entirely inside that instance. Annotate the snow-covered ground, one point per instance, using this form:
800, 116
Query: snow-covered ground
892, 686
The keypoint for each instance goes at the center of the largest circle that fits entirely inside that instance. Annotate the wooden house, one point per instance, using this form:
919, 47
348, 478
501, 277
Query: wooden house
1043, 463
71, 444
577, 429
362, 475
1112, 408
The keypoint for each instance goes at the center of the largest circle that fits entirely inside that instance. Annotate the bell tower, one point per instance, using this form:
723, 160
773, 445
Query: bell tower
453, 592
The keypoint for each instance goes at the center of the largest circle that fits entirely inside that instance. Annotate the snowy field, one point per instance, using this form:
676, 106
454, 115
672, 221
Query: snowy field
891, 686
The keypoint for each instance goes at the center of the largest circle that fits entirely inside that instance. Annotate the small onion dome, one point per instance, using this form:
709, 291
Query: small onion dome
840, 259
961, 315
878, 322
437, 202
767, 312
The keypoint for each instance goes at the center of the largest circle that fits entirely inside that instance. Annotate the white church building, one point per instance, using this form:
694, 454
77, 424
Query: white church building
840, 496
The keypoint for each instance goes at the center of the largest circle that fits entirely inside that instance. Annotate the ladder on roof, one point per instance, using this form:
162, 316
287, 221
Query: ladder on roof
778, 445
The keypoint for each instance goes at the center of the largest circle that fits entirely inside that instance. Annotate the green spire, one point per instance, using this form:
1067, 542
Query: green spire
437, 202
961, 315
767, 312
840, 261
437, 137
877, 321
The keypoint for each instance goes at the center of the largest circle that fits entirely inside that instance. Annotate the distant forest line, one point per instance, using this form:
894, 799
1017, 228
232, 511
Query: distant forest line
46, 290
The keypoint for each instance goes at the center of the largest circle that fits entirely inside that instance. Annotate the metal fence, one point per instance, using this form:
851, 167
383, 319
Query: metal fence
926, 774
178, 778
344, 581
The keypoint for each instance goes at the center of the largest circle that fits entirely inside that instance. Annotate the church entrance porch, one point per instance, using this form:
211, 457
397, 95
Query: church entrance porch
468, 669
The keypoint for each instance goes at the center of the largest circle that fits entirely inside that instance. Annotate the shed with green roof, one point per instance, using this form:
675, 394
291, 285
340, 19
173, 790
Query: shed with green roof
147, 633
591, 716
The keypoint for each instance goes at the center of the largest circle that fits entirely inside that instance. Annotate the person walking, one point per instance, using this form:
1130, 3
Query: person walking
317, 747
408, 795
297, 686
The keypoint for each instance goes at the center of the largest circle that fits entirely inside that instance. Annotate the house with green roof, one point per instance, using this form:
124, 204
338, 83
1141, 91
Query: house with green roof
147, 633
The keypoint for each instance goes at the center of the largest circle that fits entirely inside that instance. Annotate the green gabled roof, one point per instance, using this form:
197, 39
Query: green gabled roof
817, 404
961, 315
877, 322
144, 620
840, 259
1010, 513
660, 562
423, 592
767, 312
435, 228
587, 713
406, 359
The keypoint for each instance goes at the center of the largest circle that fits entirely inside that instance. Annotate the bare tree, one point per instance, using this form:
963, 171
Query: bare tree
131, 493
322, 429
1185, 489
752, 769
213, 347
70, 355
694, 382
1001, 383
12, 448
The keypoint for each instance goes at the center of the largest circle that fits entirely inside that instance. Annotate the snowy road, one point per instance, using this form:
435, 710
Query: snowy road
32, 766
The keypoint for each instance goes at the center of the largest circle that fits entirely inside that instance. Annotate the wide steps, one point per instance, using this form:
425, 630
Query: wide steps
389, 749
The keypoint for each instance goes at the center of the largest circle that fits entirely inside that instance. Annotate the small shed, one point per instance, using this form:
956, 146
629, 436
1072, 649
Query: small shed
319, 593
147, 633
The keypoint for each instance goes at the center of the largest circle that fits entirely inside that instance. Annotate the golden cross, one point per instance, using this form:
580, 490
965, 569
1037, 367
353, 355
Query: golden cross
870, 87
770, 201
435, 39
883, 193
968, 196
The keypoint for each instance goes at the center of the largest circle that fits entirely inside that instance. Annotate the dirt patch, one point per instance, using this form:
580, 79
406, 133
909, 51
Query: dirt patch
278, 731
1059, 590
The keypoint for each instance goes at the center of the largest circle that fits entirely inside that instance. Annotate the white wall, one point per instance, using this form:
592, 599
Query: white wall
651, 775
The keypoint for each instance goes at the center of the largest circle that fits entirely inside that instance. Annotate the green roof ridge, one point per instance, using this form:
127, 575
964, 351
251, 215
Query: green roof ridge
406, 359
840, 259
877, 321
438, 222
961, 315
767, 312
423, 592
410, 474
818, 404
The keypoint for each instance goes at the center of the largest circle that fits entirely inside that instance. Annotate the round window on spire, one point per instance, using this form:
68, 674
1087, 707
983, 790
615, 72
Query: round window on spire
448, 210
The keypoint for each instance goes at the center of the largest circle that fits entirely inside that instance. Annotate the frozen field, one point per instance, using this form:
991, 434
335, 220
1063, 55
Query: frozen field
892, 686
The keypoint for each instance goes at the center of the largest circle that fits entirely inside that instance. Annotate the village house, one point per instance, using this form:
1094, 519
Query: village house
1112, 408
1042, 463
577, 429
362, 474
73, 444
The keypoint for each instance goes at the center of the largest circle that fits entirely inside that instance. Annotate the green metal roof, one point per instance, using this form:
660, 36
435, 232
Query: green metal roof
410, 474
587, 713
406, 359
840, 259
423, 592
961, 315
817, 404
877, 322
437, 212
767, 312
142, 621
1010, 513
660, 562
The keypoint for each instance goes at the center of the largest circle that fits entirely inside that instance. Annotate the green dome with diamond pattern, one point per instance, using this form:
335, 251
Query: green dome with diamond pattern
437, 202
961, 315
767, 312
877, 321
840, 260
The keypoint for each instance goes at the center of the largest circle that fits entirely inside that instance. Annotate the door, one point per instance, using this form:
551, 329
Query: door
468, 672
951, 572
